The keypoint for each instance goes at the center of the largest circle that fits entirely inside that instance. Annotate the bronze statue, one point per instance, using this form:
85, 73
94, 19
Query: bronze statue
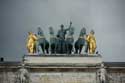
70, 39
42, 41
22, 75
31, 43
61, 47
102, 73
53, 40
62, 43
80, 42
91, 42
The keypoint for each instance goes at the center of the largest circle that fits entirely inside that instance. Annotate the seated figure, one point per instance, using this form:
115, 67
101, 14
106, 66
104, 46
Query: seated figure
61, 47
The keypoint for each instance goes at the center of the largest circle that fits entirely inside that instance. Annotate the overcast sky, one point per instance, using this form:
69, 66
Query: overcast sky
106, 17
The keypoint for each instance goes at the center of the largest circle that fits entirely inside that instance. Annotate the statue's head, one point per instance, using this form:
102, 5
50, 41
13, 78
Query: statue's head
30, 33
62, 26
92, 32
40, 31
22, 65
102, 65
51, 28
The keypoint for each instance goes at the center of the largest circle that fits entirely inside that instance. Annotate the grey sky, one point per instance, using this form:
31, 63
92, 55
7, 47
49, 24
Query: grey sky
106, 17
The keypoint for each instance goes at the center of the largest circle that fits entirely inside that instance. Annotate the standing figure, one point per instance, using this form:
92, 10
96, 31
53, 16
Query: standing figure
102, 74
61, 47
42, 42
22, 75
31, 43
70, 39
91, 42
53, 40
81, 41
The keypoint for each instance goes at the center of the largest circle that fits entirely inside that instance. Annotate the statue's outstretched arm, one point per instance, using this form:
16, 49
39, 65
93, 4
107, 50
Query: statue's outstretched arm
69, 26
35, 37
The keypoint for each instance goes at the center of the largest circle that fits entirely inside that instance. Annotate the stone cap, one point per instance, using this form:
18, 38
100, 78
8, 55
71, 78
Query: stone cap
74, 60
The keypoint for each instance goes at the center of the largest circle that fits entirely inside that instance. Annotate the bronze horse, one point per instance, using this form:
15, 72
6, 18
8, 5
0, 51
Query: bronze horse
80, 42
53, 41
70, 39
42, 42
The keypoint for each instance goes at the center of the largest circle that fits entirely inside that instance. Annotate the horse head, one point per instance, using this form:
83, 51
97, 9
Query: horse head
83, 31
40, 32
51, 31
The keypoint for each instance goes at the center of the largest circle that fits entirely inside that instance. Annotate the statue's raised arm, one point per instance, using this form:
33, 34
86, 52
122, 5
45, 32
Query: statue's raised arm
70, 39
69, 26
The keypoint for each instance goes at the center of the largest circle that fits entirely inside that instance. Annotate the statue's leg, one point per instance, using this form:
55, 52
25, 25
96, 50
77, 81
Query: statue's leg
86, 47
94, 47
61, 47
42, 47
32, 48
66, 47
47, 47
52, 48
70, 48
93, 51
57, 48
76, 48
90, 48
56, 43
47, 51
102, 81
80, 49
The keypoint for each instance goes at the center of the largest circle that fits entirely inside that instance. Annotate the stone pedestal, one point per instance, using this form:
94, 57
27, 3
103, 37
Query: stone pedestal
63, 60
63, 68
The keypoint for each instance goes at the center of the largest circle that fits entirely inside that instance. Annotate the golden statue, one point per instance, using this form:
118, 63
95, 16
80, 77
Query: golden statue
31, 43
91, 42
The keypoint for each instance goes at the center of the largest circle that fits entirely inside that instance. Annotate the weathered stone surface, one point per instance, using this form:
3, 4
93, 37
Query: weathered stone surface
61, 69
63, 60
70, 77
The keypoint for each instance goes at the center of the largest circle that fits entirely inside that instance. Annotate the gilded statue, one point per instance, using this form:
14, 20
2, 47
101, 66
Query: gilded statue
31, 43
91, 42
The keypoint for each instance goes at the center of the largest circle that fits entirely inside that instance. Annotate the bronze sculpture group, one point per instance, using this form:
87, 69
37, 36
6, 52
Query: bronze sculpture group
60, 43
